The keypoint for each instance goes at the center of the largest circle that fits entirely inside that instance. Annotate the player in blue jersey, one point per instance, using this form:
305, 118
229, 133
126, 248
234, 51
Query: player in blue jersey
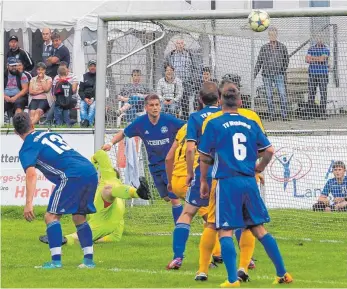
209, 99
337, 188
236, 143
75, 180
158, 131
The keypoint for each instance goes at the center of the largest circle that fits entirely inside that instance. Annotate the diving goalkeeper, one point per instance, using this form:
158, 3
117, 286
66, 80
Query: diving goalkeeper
107, 223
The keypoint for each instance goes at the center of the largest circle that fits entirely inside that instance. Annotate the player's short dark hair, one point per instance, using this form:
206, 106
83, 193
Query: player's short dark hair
231, 97
55, 35
339, 164
22, 123
209, 93
151, 96
224, 82
41, 65
135, 71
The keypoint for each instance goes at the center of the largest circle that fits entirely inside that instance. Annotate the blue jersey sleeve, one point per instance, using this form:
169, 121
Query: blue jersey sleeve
28, 156
262, 141
177, 123
207, 140
326, 189
326, 51
132, 129
309, 52
192, 130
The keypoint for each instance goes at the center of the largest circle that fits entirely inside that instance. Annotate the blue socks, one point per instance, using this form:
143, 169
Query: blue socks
85, 237
238, 233
229, 257
176, 212
54, 234
180, 238
271, 248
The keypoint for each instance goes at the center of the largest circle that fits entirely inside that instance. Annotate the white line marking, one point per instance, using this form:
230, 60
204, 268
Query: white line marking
191, 273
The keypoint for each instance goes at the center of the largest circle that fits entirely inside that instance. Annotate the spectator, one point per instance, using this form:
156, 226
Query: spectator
170, 91
133, 95
206, 75
318, 72
60, 53
182, 61
335, 187
71, 78
20, 68
40, 93
86, 92
15, 88
47, 50
273, 59
20, 54
63, 92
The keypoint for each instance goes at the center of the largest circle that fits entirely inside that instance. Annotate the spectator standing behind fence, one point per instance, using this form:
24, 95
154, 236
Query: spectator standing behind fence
133, 95
19, 53
63, 92
318, 76
86, 92
47, 50
60, 53
182, 61
273, 60
15, 88
170, 91
335, 187
40, 94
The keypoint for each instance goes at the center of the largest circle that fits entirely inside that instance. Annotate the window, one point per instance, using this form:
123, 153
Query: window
319, 3
262, 4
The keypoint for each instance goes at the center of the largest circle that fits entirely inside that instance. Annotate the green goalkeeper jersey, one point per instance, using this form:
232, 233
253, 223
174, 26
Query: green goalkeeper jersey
108, 219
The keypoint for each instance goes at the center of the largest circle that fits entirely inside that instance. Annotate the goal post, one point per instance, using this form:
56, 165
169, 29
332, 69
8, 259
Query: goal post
301, 100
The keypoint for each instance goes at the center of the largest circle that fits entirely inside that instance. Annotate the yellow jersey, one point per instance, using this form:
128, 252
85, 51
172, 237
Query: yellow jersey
180, 163
248, 113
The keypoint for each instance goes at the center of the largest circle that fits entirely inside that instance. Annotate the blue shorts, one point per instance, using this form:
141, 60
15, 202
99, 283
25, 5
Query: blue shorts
74, 196
238, 203
160, 181
193, 194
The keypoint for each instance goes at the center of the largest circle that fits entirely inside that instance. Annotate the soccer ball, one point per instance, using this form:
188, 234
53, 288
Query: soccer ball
259, 20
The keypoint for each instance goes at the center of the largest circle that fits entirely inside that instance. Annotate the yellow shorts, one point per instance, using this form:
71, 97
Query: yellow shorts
179, 188
211, 218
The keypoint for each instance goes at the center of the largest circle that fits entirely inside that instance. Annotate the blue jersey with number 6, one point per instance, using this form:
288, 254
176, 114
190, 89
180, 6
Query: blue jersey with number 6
235, 140
49, 153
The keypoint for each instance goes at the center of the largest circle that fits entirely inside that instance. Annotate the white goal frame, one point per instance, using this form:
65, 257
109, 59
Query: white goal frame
184, 15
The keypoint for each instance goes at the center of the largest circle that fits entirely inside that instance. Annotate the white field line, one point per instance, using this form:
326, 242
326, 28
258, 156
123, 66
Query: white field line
191, 273
278, 238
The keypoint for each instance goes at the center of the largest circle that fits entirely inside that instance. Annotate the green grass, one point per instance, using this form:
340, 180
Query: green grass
139, 260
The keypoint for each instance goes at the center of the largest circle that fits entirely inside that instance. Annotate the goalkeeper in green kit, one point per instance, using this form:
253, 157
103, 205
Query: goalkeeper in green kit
107, 223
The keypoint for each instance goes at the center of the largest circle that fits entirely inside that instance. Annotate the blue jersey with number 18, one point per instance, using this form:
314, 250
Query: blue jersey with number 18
49, 153
235, 141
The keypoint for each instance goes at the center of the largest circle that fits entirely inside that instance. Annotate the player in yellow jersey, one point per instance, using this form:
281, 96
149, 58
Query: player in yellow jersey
176, 170
107, 223
246, 239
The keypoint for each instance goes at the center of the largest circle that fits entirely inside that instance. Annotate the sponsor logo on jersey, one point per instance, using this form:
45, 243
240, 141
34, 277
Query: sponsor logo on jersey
158, 142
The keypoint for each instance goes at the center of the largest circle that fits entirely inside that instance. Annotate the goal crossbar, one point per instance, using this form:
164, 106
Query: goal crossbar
231, 14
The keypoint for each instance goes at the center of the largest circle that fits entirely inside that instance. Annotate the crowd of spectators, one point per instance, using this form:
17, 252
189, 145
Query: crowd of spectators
183, 75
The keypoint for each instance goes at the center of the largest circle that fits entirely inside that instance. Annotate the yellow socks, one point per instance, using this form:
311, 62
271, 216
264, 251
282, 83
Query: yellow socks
207, 242
247, 245
217, 250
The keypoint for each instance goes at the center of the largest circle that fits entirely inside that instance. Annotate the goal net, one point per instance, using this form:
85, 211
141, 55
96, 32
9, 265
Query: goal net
294, 75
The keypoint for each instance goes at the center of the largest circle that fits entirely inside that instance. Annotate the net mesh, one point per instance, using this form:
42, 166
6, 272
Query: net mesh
297, 84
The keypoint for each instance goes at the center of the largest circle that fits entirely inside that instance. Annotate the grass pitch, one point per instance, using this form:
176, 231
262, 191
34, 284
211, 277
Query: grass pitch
313, 246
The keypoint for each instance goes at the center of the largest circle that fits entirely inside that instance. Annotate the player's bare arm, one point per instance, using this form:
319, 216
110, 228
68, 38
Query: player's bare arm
205, 162
117, 138
31, 178
266, 158
190, 155
169, 164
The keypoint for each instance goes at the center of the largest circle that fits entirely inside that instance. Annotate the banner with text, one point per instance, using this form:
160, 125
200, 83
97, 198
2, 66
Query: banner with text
294, 178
